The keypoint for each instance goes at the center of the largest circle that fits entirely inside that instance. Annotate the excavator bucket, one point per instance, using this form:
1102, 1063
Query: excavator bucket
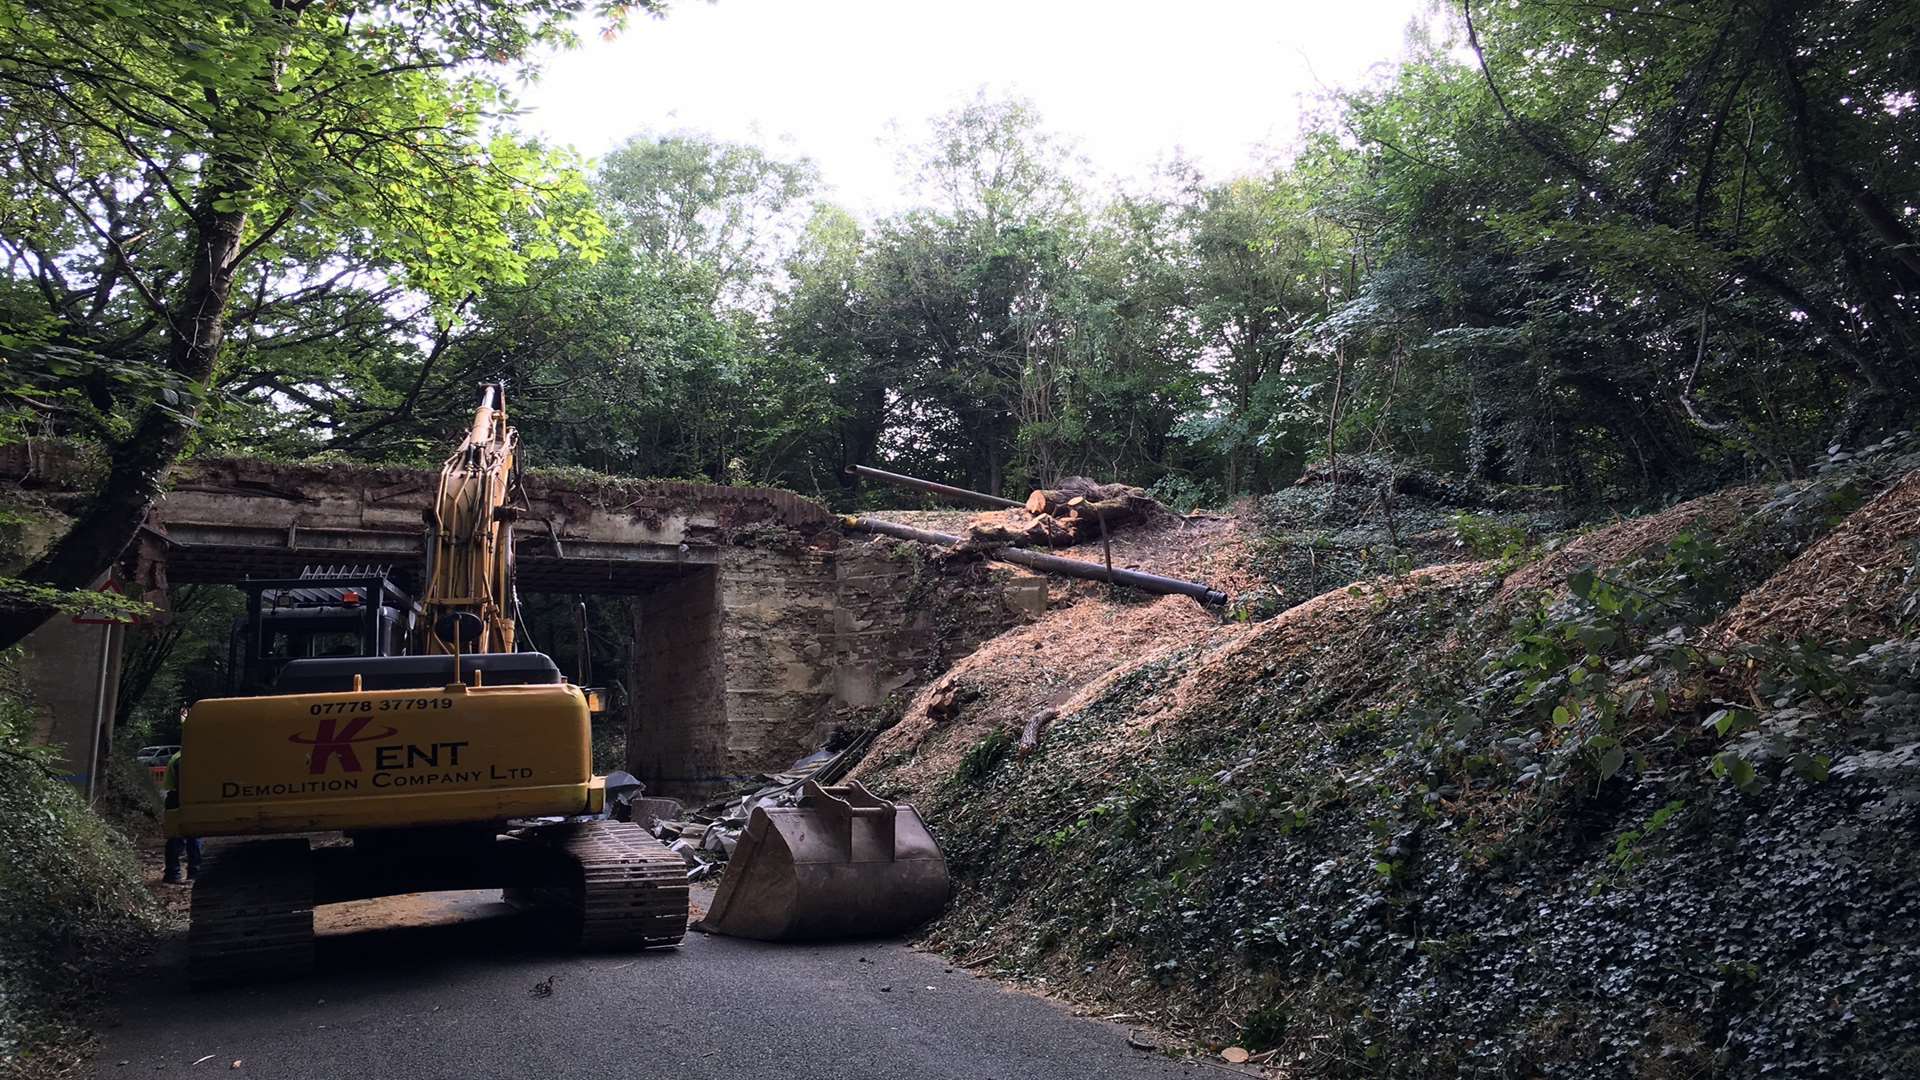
842, 863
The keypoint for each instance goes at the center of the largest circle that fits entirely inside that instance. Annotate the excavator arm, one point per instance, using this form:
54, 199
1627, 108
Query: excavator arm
470, 539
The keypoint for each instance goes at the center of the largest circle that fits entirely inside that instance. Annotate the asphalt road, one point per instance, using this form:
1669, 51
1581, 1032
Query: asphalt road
452, 996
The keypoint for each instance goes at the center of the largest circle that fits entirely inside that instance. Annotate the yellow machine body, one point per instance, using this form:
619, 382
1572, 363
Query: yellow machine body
384, 759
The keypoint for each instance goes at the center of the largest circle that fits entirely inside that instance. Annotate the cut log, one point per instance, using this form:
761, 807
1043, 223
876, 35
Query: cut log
1042, 530
1036, 725
1054, 500
1051, 564
1081, 506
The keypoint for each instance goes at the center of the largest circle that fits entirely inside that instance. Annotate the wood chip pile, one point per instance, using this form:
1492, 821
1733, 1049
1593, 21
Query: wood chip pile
1846, 585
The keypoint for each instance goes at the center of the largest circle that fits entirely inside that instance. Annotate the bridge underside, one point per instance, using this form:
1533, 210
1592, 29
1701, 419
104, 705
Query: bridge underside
199, 553
224, 521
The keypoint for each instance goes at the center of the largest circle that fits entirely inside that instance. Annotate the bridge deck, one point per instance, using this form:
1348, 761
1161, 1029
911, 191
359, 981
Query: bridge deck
224, 520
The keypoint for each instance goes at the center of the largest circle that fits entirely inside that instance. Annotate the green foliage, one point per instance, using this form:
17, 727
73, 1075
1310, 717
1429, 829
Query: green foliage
1493, 538
1583, 674
609, 745
71, 900
1182, 494
980, 760
727, 207
82, 603
170, 662
1265, 1027
1631, 849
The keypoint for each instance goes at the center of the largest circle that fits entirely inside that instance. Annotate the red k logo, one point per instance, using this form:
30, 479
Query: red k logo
332, 740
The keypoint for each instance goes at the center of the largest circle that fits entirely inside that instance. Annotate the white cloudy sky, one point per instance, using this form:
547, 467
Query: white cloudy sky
1222, 81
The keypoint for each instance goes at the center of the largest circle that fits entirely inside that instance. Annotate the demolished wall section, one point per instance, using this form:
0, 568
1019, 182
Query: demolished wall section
745, 667
901, 618
776, 625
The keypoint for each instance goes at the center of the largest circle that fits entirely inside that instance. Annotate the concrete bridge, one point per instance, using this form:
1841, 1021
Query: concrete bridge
225, 518
756, 625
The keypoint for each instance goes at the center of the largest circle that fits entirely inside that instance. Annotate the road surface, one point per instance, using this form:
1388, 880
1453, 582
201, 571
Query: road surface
451, 993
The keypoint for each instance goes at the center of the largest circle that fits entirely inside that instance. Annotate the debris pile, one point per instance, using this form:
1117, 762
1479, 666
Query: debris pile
994, 693
1859, 581
705, 836
1624, 541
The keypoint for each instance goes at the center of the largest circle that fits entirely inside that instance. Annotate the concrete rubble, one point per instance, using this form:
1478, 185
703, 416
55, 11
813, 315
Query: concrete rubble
705, 836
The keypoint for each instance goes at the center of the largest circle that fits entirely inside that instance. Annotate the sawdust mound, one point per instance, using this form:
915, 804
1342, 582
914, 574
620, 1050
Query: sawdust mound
1229, 661
1628, 540
1847, 585
1307, 632
1030, 668
1090, 635
1075, 655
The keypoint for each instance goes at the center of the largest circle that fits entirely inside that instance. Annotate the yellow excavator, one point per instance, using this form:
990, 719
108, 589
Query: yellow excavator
465, 765
450, 761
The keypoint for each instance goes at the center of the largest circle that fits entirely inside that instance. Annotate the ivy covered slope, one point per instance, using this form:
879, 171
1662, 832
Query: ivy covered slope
71, 901
1641, 803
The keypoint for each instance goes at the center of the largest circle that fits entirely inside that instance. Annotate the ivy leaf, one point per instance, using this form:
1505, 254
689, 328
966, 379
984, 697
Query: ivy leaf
1610, 762
1731, 766
1812, 768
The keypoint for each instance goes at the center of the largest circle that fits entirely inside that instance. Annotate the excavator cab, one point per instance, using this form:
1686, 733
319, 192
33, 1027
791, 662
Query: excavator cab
325, 612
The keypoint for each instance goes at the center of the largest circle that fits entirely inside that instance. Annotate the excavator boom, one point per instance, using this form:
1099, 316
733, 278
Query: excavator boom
470, 538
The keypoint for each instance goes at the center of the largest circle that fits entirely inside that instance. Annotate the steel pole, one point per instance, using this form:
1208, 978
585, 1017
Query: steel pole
979, 498
1052, 564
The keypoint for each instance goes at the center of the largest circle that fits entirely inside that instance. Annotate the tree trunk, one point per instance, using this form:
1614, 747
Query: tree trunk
138, 465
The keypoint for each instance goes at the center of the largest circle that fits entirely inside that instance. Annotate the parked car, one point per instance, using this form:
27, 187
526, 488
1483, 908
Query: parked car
156, 756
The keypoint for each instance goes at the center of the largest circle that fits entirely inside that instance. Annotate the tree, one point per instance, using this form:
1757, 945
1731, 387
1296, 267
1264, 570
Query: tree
729, 207
1115, 369
1749, 170
819, 320
1264, 265
161, 147
960, 294
1594, 255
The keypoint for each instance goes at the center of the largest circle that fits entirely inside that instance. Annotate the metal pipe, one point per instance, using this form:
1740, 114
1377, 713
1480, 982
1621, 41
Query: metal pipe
100, 714
1052, 564
980, 498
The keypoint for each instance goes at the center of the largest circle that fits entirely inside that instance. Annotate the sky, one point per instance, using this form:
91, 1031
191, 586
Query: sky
848, 83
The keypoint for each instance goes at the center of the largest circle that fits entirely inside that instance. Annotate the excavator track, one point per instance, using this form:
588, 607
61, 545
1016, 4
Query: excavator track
252, 913
627, 890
